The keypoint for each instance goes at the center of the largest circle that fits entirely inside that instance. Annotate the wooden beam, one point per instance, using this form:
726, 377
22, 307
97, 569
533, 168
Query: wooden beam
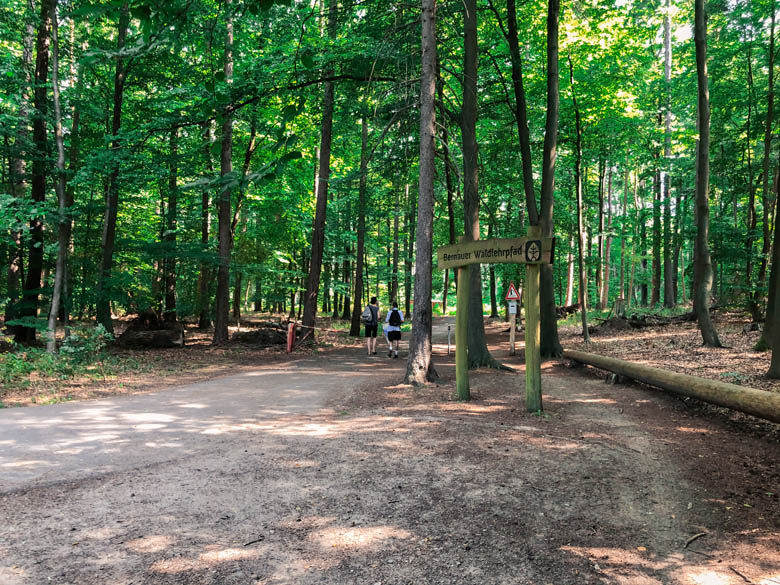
758, 403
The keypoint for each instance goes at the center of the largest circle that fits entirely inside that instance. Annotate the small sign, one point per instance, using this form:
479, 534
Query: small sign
512, 294
513, 307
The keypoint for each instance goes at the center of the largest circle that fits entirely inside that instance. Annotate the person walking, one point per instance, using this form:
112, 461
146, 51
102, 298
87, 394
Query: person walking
394, 319
370, 318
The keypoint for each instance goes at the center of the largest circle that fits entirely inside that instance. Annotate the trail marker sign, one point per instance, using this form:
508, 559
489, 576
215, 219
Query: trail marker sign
532, 251
512, 294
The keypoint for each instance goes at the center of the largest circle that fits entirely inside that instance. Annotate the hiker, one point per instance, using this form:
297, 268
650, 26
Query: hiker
370, 318
394, 319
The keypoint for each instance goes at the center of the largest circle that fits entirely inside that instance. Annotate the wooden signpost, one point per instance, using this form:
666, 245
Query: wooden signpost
532, 251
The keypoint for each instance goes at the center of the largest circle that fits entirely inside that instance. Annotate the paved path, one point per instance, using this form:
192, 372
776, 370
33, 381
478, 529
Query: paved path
74, 440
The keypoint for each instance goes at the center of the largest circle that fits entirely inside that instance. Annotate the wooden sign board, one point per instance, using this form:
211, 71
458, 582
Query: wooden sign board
499, 250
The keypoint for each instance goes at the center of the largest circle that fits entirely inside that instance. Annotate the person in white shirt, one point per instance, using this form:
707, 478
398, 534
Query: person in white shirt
394, 319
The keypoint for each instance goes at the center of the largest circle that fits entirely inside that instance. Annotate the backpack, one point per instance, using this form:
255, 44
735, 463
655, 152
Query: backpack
395, 318
367, 316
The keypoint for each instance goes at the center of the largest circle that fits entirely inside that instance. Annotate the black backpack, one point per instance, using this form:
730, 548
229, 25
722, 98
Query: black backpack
395, 318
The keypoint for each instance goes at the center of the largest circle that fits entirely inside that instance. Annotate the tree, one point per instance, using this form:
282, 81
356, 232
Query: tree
702, 263
419, 368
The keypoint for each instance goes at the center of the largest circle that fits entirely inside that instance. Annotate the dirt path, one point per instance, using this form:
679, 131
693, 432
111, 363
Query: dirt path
317, 471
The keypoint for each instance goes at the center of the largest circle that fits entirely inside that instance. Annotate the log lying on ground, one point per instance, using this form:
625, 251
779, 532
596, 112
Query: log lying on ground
153, 339
759, 403
263, 336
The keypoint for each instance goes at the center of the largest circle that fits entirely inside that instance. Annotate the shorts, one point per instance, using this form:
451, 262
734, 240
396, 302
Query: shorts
394, 335
371, 329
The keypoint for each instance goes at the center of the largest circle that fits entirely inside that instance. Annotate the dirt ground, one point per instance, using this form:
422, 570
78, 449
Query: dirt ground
614, 484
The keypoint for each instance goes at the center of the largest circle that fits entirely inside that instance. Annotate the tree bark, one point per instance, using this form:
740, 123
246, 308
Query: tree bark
204, 319
702, 263
224, 207
318, 230
478, 354
18, 171
354, 328
103, 303
765, 248
32, 283
550, 346
169, 279
669, 292
419, 367
583, 282
63, 225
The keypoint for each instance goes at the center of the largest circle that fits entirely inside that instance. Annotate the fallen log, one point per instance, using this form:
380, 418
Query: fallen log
759, 403
153, 339
262, 337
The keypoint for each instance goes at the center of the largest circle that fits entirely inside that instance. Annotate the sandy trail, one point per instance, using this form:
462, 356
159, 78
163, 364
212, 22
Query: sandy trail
325, 470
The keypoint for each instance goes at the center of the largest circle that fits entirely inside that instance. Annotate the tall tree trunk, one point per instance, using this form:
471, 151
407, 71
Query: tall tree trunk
318, 230
396, 213
354, 328
549, 346
583, 283
669, 293
204, 319
478, 354
521, 113
600, 240
103, 303
419, 367
765, 248
224, 207
17, 171
751, 220
607, 245
63, 227
655, 295
409, 258
169, 313
702, 263
492, 276
32, 284
445, 142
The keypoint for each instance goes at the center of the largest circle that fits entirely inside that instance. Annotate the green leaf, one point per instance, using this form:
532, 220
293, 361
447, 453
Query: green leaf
307, 61
219, 76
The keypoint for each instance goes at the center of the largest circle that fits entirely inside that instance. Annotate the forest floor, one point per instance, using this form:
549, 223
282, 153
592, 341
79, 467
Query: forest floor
324, 468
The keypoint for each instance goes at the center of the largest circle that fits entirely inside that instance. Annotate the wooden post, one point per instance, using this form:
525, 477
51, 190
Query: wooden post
461, 328
533, 357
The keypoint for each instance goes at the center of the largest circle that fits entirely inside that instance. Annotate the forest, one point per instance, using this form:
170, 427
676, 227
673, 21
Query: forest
204, 159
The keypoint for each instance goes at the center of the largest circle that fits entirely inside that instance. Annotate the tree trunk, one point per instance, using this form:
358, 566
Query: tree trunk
702, 263
419, 368
450, 188
765, 248
396, 213
410, 241
669, 293
63, 231
569, 298
169, 313
478, 354
354, 328
583, 283
607, 246
655, 294
32, 284
600, 239
204, 319
18, 170
550, 346
103, 303
224, 206
318, 230
521, 113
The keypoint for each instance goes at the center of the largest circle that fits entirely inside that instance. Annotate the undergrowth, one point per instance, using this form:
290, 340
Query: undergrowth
84, 354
